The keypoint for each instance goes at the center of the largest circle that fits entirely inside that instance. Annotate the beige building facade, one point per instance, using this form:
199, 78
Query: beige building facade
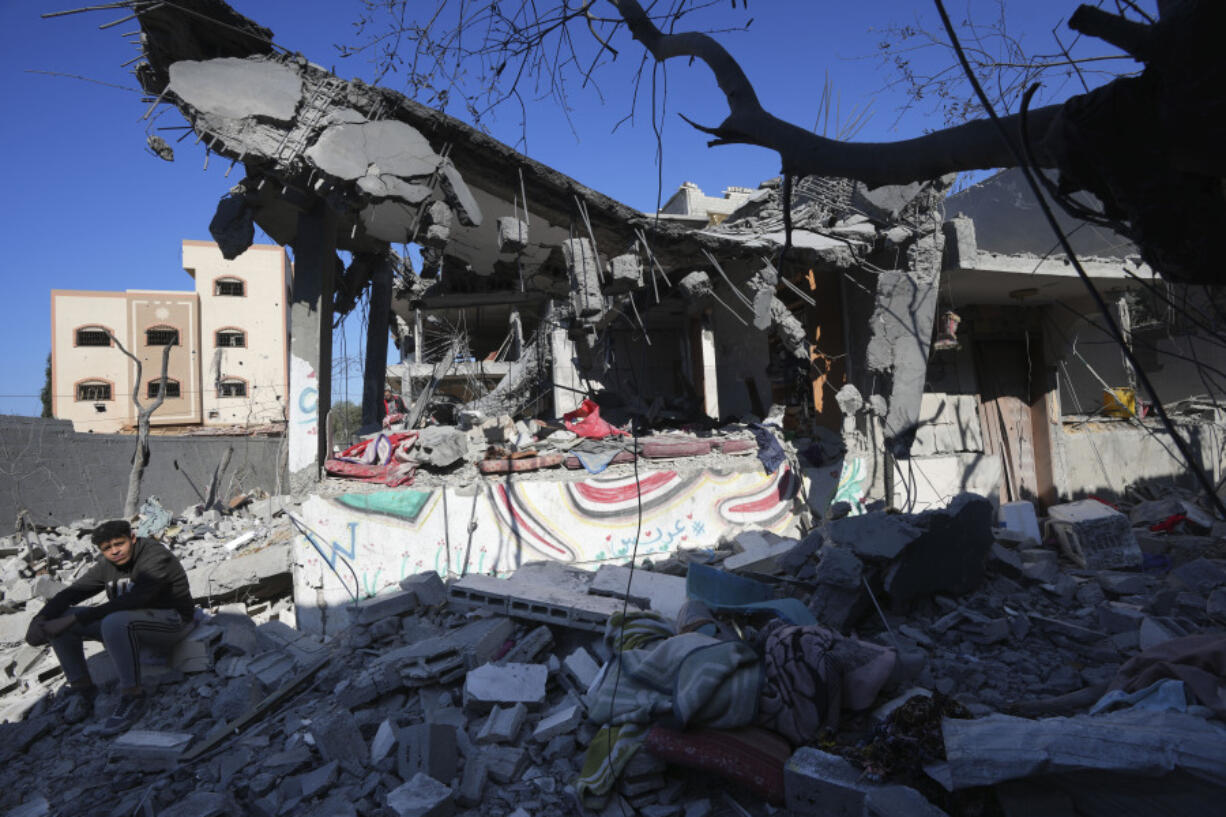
228, 342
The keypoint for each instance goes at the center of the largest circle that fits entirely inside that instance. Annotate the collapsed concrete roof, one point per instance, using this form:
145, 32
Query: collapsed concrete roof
500, 227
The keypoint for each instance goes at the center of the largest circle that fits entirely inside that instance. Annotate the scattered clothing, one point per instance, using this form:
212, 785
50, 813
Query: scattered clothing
586, 422
770, 452
1167, 695
1197, 660
607, 755
751, 757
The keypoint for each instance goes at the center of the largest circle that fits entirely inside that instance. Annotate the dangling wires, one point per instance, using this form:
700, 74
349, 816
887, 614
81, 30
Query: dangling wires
1113, 327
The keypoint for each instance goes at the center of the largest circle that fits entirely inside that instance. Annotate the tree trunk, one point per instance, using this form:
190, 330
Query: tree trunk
140, 457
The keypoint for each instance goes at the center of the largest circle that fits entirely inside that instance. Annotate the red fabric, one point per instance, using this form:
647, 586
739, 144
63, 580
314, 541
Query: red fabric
585, 421
750, 756
393, 475
1169, 524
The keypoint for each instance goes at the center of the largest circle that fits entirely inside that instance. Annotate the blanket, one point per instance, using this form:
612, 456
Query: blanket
1197, 660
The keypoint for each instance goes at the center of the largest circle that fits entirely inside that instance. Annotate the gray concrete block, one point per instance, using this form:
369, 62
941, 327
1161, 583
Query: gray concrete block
150, 749
503, 724
373, 609
564, 721
899, 801
428, 587
584, 269
626, 272
337, 738
383, 742
422, 796
505, 764
529, 598
427, 748
492, 684
659, 591
316, 781
512, 234
481, 640
816, 782
580, 669
761, 554
529, 647
472, 782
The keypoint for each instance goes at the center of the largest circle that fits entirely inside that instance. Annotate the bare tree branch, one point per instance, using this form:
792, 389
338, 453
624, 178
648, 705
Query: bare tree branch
974, 145
140, 458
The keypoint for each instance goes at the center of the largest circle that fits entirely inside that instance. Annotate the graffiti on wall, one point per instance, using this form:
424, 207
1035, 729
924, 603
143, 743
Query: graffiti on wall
303, 428
361, 543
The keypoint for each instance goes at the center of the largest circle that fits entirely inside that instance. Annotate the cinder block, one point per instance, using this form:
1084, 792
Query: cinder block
506, 684
505, 764
149, 749
503, 724
580, 669
421, 797
368, 611
428, 748
816, 782
529, 647
428, 587
562, 722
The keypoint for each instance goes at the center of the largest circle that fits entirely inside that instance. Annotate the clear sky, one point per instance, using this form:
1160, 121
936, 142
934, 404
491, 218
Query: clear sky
89, 207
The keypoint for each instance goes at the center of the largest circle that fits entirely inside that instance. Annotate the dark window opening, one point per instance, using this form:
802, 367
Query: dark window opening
229, 286
232, 338
172, 388
161, 336
93, 391
93, 337
232, 388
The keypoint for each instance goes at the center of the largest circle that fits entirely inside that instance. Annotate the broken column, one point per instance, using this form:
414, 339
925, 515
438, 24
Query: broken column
310, 370
903, 310
584, 268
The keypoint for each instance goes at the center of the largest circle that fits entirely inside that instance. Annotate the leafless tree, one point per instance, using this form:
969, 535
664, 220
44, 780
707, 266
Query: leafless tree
140, 457
1146, 145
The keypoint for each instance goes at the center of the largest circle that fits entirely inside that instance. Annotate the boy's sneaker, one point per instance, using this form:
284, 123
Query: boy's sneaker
126, 714
74, 704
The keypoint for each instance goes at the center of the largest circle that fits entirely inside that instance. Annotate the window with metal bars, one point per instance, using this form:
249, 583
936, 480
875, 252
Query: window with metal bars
229, 286
232, 388
93, 336
172, 388
161, 336
235, 338
93, 390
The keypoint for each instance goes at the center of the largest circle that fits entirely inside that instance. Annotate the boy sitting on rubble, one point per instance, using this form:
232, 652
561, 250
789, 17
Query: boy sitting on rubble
148, 604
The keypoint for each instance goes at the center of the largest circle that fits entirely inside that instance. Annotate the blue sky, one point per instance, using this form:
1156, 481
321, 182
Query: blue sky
89, 207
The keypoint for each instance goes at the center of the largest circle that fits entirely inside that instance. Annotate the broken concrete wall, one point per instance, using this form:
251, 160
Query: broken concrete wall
901, 327
60, 475
742, 355
363, 543
1105, 458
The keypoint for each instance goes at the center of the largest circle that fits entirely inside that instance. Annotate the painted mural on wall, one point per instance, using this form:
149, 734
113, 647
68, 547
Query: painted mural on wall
359, 544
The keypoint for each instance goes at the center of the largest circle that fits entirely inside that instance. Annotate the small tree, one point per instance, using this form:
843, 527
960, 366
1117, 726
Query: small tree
140, 458
45, 394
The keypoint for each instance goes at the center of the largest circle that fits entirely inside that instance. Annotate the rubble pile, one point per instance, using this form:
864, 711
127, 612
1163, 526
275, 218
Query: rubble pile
479, 445
885, 664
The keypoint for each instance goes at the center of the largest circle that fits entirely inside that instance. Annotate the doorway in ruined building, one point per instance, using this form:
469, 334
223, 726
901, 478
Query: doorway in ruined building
1013, 390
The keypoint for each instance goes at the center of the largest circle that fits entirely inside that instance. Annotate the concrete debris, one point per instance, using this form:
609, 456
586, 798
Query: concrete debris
439, 685
510, 684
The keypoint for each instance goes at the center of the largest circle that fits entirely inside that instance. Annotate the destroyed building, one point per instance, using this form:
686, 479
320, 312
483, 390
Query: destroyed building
641, 454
